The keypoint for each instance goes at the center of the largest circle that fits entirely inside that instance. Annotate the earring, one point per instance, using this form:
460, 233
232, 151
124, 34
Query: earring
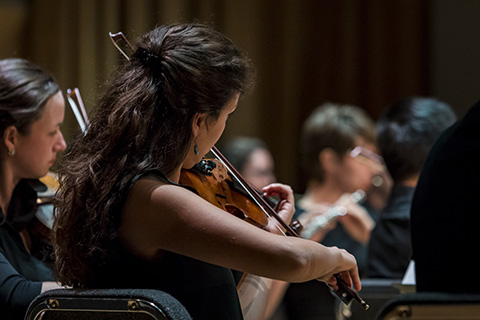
11, 152
195, 149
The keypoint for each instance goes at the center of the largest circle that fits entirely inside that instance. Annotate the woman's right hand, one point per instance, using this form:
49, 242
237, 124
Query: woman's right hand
349, 272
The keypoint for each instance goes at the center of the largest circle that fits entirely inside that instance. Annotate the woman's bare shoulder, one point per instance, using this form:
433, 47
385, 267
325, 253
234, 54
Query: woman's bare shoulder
153, 214
151, 194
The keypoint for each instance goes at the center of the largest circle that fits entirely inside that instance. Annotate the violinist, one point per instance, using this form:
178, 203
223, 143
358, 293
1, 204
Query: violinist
31, 112
334, 171
123, 220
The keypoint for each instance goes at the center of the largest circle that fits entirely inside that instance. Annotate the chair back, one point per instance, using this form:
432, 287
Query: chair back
106, 304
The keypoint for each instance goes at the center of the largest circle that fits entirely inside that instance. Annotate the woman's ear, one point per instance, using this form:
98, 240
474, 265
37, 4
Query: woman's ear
199, 124
10, 137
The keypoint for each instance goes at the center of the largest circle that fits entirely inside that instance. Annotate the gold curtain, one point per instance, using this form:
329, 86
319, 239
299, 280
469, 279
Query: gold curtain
367, 53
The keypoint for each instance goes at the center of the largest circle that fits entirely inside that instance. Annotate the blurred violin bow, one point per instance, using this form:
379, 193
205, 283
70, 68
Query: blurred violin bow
119, 41
78, 108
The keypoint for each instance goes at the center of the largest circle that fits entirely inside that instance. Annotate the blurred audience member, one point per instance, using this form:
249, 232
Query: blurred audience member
406, 132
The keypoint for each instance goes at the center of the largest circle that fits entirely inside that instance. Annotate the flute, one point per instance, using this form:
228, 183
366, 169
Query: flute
322, 220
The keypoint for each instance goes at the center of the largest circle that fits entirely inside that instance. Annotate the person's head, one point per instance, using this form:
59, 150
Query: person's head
406, 132
165, 109
176, 85
252, 158
328, 137
31, 111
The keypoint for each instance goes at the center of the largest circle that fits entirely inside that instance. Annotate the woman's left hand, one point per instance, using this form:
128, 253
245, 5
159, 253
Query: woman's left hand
285, 208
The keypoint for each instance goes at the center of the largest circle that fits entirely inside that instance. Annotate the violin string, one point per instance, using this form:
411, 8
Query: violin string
247, 190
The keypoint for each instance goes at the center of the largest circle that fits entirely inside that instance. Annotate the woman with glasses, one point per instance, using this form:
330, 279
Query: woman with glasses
31, 112
339, 157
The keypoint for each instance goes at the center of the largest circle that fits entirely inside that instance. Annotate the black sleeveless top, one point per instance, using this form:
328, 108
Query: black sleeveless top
207, 291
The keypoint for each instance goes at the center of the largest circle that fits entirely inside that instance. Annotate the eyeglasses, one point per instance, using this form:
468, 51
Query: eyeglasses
367, 156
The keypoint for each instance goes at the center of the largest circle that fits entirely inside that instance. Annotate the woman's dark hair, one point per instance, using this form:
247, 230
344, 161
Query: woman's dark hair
143, 121
335, 127
24, 90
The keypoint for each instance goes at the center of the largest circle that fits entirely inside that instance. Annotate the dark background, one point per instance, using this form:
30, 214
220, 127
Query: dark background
367, 53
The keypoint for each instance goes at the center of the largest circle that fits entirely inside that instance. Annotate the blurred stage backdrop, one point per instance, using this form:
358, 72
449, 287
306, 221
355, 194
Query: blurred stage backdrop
367, 53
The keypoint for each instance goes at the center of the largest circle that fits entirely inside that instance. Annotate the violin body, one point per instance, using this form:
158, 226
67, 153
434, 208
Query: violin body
213, 183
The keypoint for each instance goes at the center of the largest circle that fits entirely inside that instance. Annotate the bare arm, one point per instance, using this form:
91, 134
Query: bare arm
16, 292
165, 217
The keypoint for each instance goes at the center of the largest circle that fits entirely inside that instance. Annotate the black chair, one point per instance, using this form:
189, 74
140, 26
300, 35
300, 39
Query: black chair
429, 306
106, 304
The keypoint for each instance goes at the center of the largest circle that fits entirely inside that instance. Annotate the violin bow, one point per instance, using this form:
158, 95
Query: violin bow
345, 293
117, 39
78, 109
77, 106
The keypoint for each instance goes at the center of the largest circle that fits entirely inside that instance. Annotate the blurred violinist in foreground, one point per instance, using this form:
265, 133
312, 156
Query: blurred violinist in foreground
121, 210
339, 155
31, 112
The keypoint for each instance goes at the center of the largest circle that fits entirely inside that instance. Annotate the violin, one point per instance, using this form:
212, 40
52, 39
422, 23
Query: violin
217, 181
212, 182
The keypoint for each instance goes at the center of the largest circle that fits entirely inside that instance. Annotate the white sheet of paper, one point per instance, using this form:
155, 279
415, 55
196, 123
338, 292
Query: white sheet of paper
409, 277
